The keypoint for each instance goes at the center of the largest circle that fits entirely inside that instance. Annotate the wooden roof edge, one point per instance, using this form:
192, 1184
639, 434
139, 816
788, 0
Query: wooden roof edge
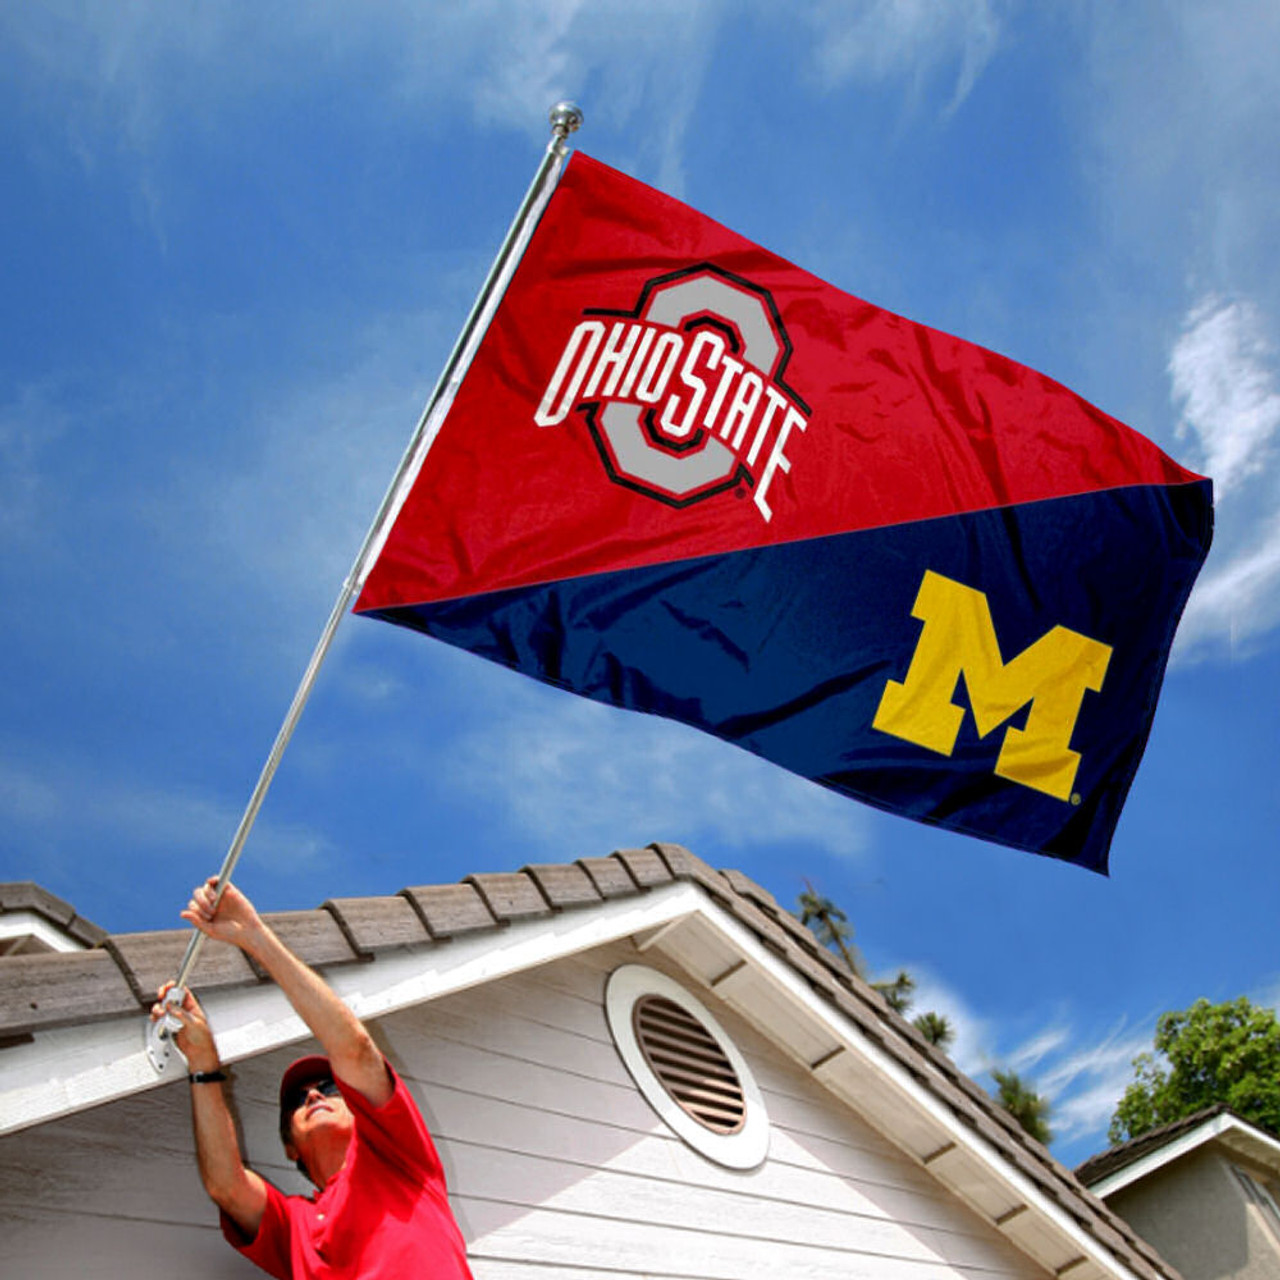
27, 895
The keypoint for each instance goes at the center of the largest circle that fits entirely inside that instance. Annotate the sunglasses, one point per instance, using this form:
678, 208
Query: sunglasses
298, 1094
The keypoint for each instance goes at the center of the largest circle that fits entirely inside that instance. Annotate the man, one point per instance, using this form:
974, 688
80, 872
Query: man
380, 1209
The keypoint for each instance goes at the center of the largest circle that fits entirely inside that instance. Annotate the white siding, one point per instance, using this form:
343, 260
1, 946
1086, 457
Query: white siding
556, 1163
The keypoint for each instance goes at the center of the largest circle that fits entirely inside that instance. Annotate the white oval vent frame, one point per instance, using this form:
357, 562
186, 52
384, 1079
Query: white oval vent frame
749, 1144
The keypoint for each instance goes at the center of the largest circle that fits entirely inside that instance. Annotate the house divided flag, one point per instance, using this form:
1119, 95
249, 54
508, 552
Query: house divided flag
683, 476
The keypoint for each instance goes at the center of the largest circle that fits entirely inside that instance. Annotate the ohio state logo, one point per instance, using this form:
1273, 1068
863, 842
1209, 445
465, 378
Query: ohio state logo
684, 396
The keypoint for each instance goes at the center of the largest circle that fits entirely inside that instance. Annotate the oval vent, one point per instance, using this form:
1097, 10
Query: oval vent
690, 1064
687, 1068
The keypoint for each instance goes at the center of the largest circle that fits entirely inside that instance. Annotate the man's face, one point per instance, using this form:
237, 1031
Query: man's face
321, 1118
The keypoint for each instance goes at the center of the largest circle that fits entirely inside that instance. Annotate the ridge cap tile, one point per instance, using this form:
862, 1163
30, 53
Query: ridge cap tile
744, 885
380, 923
563, 884
610, 877
684, 865
115, 976
92, 935
151, 957
450, 910
647, 868
509, 895
313, 935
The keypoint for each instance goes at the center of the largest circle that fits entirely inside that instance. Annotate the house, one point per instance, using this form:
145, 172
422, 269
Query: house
1204, 1190
634, 1065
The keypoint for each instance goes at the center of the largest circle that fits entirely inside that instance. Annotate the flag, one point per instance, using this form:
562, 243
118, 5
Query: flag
686, 477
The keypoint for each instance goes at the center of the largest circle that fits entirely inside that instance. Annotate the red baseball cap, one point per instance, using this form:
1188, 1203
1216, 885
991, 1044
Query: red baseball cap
315, 1066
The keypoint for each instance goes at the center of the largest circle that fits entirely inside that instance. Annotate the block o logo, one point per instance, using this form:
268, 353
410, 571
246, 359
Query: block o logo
684, 396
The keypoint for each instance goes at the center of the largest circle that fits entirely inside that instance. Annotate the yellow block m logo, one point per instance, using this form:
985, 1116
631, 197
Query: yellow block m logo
959, 639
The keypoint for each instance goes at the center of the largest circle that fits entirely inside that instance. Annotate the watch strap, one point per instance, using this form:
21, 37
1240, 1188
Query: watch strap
207, 1077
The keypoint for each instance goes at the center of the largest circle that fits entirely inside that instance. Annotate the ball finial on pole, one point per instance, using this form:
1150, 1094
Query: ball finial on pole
566, 118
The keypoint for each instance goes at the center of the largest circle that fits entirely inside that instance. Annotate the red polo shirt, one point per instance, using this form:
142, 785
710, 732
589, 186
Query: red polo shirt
383, 1216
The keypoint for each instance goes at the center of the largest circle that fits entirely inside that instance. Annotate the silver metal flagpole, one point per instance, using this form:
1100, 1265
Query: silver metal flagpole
565, 119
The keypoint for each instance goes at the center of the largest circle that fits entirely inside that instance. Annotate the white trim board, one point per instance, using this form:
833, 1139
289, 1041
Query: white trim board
71, 1068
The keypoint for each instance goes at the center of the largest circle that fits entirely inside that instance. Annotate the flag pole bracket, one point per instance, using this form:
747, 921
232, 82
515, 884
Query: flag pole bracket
160, 1033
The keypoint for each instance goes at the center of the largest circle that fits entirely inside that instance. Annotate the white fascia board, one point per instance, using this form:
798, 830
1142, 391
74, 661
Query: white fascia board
1223, 1126
915, 1094
68, 1069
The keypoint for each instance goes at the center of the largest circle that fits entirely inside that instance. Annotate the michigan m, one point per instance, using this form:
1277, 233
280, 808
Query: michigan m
958, 639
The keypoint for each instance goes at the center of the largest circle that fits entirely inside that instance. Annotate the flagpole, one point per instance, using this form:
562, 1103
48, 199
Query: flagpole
565, 118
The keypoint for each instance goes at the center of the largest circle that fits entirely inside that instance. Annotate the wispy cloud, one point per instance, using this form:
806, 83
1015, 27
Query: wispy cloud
64, 802
973, 1049
1083, 1085
877, 40
1225, 378
1033, 1053
571, 773
1086, 1085
1223, 371
131, 78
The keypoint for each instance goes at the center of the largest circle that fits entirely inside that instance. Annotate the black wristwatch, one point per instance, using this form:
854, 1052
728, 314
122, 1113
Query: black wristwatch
207, 1077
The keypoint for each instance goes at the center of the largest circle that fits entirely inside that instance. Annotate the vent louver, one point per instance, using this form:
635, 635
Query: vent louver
690, 1064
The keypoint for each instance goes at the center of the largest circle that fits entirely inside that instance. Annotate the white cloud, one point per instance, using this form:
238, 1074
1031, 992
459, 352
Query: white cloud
1086, 1085
1237, 600
973, 1048
1223, 371
1226, 380
572, 773
134, 77
879, 39
1083, 1086
1033, 1052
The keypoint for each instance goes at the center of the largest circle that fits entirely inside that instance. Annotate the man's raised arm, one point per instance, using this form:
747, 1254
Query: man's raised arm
239, 1192
352, 1054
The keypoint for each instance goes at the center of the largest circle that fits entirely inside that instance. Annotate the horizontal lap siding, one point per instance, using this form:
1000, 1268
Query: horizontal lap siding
556, 1164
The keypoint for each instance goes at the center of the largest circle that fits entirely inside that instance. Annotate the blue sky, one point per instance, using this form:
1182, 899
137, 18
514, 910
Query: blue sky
239, 243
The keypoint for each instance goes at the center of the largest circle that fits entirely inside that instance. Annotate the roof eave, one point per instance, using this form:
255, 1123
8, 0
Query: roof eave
1229, 1129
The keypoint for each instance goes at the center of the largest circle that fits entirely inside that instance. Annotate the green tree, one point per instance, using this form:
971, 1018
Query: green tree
1211, 1053
830, 925
898, 991
935, 1028
1029, 1108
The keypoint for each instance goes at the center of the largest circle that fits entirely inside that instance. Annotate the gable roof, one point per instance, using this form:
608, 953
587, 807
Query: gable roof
36, 920
71, 1025
1136, 1159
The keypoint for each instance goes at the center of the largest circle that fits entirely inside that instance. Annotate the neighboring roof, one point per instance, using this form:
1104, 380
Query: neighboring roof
720, 925
51, 920
1131, 1161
